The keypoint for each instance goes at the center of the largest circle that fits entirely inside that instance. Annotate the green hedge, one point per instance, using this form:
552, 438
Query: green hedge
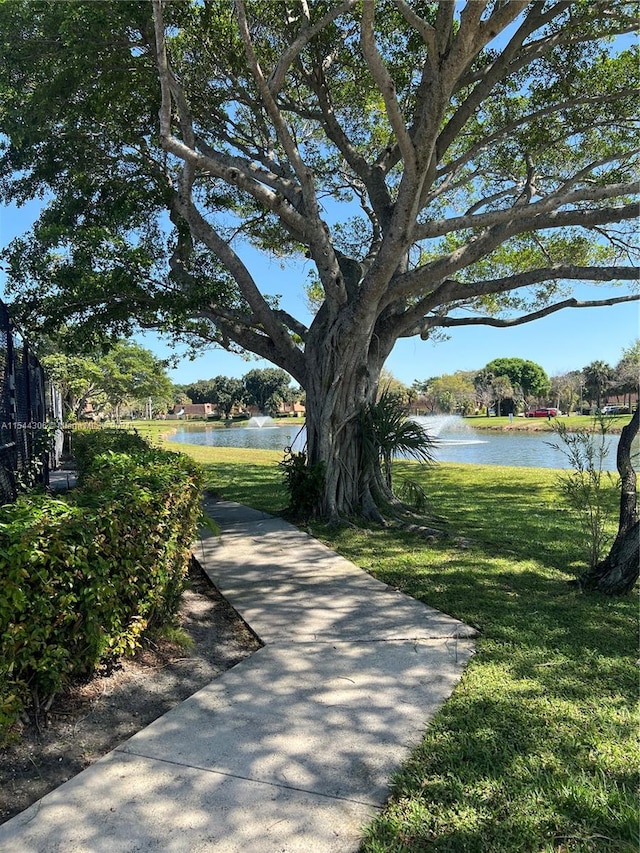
89, 443
82, 577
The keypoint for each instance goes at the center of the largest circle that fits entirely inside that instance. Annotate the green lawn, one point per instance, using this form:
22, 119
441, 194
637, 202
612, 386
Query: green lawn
537, 749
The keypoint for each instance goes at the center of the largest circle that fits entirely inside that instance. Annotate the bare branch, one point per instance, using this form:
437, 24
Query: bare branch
276, 80
448, 322
440, 319
581, 217
555, 272
527, 216
386, 85
490, 199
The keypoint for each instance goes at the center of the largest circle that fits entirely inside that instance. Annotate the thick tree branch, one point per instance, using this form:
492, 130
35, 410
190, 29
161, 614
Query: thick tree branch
303, 173
371, 177
427, 32
386, 85
467, 51
204, 232
448, 322
444, 25
543, 46
413, 283
556, 272
261, 345
212, 167
510, 127
449, 292
163, 70
548, 205
210, 164
318, 235
282, 185
292, 323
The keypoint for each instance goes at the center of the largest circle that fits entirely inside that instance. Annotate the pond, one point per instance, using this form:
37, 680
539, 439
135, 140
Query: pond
457, 441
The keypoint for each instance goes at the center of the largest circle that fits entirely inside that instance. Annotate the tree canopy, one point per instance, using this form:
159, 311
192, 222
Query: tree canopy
597, 378
127, 373
267, 388
224, 391
449, 393
527, 375
439, 164
627, 371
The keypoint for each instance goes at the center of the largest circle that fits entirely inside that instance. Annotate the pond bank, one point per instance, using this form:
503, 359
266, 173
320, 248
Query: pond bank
573, 423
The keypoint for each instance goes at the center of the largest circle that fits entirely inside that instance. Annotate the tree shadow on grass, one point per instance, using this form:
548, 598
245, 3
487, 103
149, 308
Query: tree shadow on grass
503, 771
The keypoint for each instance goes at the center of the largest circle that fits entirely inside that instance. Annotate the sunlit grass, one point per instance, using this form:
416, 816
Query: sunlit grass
250, 477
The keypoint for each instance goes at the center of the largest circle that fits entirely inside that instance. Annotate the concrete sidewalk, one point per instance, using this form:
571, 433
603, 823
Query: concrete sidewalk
291, 750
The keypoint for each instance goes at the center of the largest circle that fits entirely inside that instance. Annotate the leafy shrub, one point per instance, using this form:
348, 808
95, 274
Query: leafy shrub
586, 486
89, 443
83, 577
44, 548
304, 483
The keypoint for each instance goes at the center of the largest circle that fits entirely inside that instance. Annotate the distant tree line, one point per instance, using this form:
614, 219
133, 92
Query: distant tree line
504, 385
265, 389
512, 385
131, 380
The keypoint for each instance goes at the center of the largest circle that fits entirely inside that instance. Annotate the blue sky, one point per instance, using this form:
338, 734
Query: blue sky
567, 340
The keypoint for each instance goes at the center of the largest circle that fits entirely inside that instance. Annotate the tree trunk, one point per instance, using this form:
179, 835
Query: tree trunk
342, 379
618, 572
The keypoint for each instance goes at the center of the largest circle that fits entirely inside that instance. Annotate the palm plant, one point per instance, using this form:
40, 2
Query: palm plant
387, 433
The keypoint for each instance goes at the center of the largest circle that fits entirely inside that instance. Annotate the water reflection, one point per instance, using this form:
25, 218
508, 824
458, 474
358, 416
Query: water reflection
457, 441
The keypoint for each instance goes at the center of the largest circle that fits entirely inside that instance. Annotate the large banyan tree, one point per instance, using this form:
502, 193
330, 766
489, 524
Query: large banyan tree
438, 164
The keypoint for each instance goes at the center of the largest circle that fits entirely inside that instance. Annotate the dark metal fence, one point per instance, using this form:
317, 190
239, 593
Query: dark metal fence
23, 409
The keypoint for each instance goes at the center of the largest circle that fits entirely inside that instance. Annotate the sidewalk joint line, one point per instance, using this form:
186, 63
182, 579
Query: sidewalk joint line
246, 778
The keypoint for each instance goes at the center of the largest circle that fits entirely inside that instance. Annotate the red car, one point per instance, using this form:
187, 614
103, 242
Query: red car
542, 413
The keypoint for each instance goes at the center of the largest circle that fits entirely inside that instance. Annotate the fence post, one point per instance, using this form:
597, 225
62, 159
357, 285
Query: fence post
22, 408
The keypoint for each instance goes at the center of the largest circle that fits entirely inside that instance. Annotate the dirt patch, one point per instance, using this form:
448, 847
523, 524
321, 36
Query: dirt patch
90, 719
